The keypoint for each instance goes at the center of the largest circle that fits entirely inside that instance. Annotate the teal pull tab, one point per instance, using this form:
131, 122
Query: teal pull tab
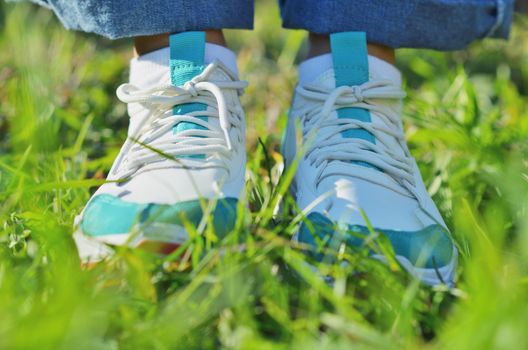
187, 52
350, 59
187, 60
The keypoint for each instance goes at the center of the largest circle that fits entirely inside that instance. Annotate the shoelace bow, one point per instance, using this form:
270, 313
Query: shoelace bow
324, 150
143, 146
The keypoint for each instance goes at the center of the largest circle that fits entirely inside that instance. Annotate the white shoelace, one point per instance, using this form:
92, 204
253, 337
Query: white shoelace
144, 146
325, 149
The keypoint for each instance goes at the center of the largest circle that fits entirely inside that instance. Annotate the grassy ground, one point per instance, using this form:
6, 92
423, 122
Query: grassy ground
61, 125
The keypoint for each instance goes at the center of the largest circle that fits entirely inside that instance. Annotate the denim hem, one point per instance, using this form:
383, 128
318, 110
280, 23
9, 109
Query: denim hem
432, 24
119, 19
502, 26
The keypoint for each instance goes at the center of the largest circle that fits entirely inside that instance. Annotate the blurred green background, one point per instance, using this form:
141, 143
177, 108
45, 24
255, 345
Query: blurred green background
466, 119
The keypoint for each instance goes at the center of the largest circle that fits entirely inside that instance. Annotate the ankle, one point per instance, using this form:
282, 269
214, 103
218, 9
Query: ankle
146, 44
215, 36
319, 44
382, 52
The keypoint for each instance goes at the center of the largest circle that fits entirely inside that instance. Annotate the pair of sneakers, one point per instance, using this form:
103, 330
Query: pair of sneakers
183, 164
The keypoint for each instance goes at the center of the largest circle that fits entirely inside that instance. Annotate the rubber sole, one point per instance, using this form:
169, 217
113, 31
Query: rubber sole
430, 276
158, 238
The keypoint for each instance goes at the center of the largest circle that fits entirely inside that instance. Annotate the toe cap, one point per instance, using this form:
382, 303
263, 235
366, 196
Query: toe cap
429, 247
107, 214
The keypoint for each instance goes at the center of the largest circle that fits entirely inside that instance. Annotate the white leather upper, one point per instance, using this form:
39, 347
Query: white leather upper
165, 180
349, 187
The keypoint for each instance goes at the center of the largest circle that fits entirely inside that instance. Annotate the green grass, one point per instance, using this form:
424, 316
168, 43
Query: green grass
466, 120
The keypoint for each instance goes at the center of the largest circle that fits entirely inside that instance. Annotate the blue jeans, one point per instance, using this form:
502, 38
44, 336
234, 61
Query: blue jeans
436, 24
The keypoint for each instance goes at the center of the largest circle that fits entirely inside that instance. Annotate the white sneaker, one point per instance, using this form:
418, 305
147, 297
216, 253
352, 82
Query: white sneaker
182, 163
354, 158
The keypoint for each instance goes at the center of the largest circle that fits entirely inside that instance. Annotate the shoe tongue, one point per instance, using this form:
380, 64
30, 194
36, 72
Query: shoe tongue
350, 58
187, 60
351, 67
